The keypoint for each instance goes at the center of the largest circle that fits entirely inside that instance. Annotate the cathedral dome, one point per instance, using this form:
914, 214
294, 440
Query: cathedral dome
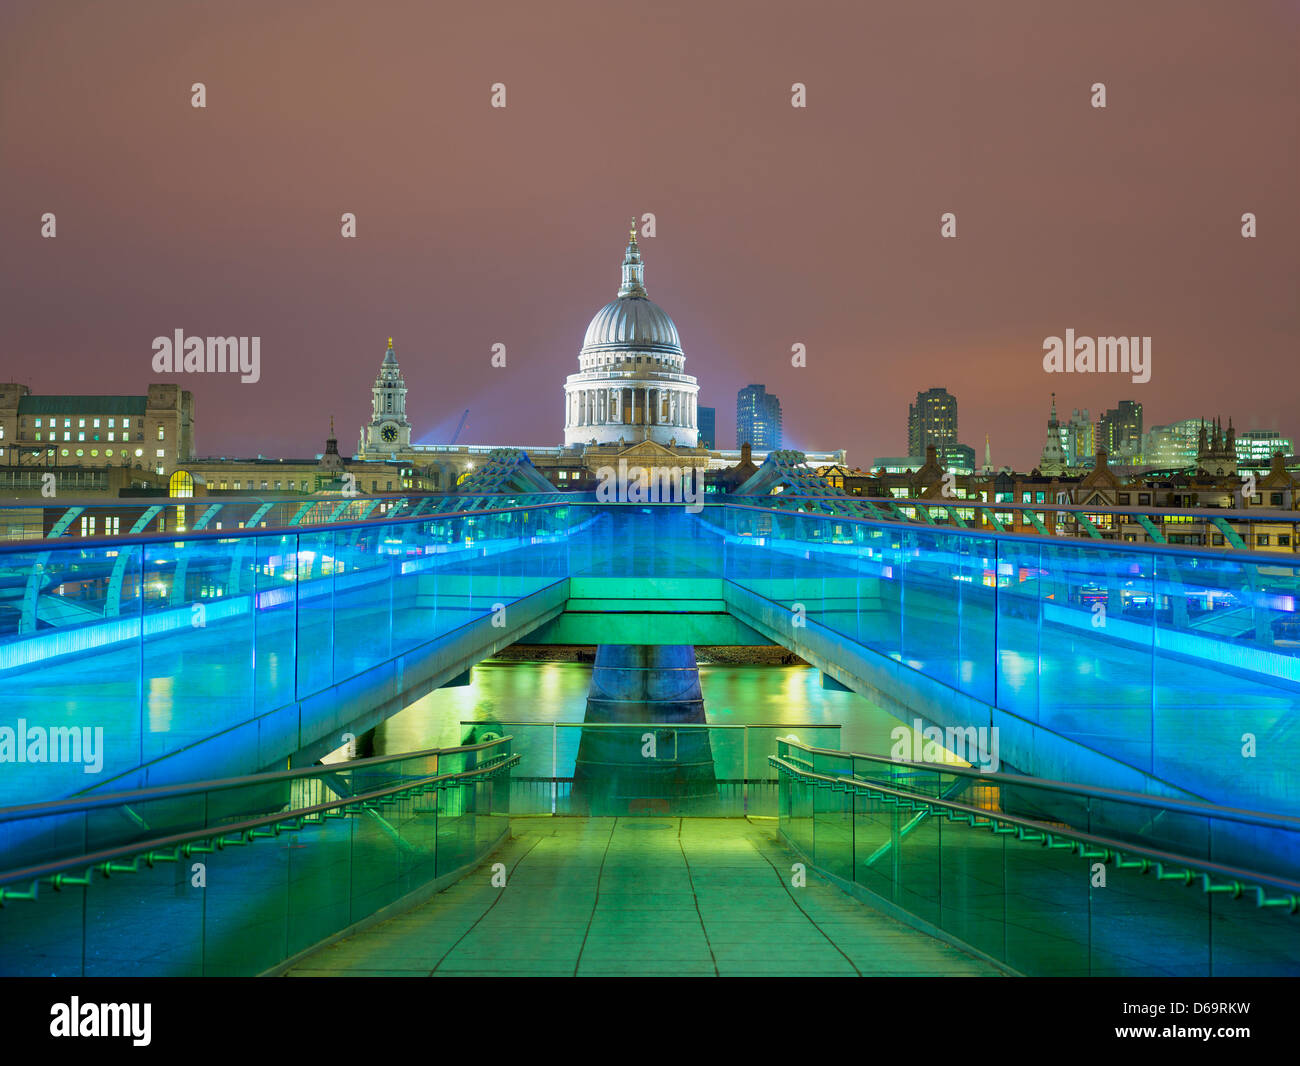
631, 323
631, 383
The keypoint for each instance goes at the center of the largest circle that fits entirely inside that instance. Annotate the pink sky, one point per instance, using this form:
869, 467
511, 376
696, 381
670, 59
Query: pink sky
776, 225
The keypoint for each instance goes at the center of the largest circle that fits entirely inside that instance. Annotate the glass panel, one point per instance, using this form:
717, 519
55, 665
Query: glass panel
269, 891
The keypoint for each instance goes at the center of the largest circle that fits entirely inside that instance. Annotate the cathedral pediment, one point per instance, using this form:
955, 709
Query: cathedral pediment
647, 449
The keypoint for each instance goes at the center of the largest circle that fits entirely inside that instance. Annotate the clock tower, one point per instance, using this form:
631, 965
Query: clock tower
388, 431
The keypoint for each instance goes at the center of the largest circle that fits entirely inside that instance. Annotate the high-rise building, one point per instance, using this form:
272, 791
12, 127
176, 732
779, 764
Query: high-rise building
1119, 431
1173, 446
931, 420
1256, 447
956, 458
708, 423
1080, 439
758, 418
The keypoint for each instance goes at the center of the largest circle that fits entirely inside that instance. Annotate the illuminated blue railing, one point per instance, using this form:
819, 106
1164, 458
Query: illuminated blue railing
1183, 663
117, 652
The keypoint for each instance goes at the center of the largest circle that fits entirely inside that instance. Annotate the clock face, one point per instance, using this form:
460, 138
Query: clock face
389, 433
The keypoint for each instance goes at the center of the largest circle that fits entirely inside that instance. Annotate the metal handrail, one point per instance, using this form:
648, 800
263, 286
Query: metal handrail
1264, 514
1088, 845
1067, 542
1185, 806
171, 848
50, 544
73, 804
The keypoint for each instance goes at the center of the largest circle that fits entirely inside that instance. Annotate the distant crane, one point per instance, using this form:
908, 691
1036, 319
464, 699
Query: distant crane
463, 419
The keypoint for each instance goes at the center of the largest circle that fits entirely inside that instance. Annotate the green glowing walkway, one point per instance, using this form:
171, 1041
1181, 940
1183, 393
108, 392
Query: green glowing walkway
637, 896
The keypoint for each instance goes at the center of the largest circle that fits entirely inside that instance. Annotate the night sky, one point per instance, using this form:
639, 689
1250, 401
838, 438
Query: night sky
775, 225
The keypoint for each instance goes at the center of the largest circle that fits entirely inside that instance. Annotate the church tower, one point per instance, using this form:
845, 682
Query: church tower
1053, 458
388, 431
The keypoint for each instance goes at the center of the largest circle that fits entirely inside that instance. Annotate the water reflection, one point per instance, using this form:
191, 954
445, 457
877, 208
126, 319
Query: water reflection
545, 692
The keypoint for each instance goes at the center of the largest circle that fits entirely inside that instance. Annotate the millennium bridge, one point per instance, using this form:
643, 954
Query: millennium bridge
180, 791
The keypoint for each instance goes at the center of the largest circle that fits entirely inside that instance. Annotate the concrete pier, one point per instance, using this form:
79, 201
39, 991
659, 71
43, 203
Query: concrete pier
641, 771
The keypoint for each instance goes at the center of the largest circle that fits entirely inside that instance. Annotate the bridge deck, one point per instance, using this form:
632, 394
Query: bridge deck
641, 896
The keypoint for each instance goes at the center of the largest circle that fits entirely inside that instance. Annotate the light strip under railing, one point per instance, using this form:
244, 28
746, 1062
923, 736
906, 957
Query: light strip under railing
1215, 877
171, 848
1264, 819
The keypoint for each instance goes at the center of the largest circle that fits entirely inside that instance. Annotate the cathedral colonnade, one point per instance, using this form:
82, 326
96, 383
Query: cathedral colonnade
632, 405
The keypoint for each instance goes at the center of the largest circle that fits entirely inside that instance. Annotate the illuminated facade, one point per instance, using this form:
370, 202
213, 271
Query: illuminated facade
152, 432
631, 383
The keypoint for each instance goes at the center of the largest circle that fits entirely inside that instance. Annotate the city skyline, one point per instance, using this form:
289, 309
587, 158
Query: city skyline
226, 220
383, 596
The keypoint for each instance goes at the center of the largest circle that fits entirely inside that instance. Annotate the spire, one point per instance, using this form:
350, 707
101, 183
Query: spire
633, 270
988, 462
389, 356
1052, 420
330, 458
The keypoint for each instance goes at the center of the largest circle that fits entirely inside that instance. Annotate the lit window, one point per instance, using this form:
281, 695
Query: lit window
67, 435
110, 436
112, 422
67, 423
38, 436
38, 423
139, 452
80, 452
81, 422
94, 452
181, 486
160, 433
126, 423
96, 423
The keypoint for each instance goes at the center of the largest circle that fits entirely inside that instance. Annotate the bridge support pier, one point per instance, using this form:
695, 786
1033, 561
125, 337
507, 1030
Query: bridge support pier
644, 771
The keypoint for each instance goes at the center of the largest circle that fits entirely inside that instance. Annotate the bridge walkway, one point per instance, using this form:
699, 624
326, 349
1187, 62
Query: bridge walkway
604, 897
